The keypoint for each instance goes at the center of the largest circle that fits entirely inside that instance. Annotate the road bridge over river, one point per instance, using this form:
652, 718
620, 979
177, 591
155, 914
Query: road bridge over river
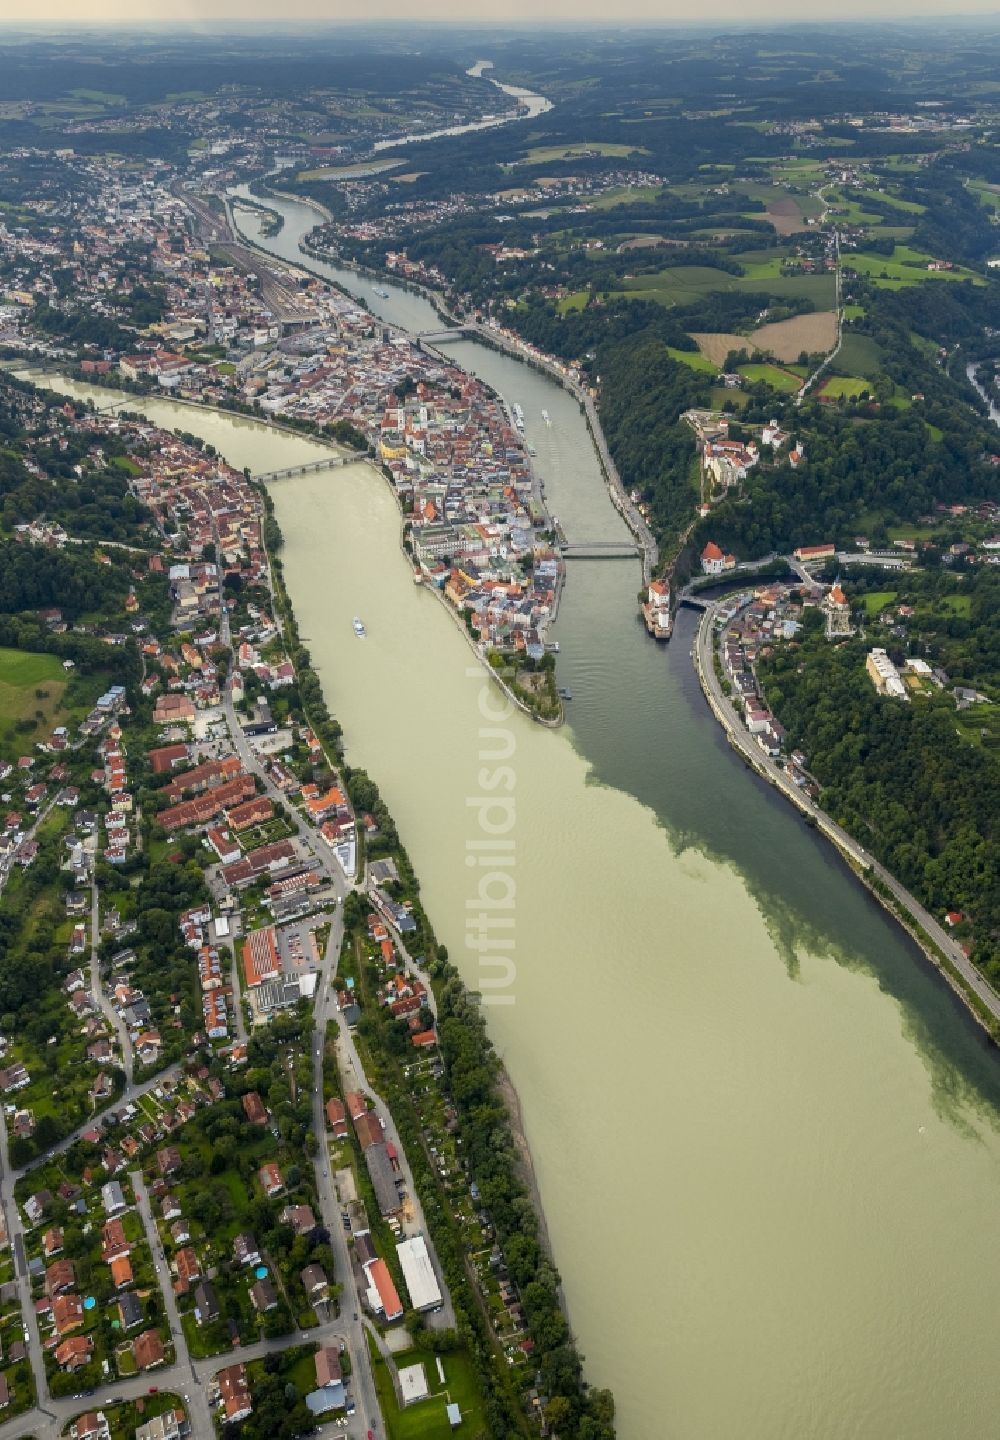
602, 550
330, 462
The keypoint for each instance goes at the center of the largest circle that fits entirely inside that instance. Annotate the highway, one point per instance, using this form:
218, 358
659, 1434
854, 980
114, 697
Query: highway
743, 741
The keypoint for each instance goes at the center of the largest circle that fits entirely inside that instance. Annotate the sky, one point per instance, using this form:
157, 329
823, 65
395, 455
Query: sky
491, 12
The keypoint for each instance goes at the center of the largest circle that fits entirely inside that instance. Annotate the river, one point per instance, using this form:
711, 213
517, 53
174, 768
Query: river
766, 1134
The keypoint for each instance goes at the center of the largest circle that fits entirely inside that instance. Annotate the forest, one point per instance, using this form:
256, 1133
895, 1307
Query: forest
898, 777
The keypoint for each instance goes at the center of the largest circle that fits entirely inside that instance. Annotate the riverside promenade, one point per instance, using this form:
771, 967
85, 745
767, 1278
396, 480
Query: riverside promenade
940, 947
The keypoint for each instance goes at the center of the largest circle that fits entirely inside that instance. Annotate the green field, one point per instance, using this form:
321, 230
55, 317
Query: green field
876, 601
778, 379
624, 195
694, 359
347, 172
988, 194
542, 154
22, 673
859, 355
428, 1419
679, 284
911, 207
956, 604
849, 386
684, 284
575, 300
905, 267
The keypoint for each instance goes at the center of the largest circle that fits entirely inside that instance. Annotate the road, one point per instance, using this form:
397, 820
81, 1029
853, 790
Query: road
130, 1093
839, 306
15, 1235
98, 993
8, 863
48, 1421
365, 1397
367, 1415
745, 743
200, 1413
354, 1078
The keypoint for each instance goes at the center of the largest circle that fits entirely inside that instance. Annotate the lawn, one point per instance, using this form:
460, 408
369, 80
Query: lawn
23, 674
956, 604
723, 398
876, 601
427, 1419
575, 300
778, 379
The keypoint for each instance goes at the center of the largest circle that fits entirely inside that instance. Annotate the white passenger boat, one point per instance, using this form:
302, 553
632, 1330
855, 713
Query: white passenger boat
359, 629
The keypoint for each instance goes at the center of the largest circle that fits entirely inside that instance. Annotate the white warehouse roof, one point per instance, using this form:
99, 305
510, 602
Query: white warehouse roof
418, 1272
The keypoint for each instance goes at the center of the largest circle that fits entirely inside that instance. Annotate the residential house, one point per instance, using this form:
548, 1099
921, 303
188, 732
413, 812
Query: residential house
234, 1394
149, 1350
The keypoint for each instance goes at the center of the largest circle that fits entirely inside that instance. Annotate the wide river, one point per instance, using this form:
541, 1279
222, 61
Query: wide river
766, 1135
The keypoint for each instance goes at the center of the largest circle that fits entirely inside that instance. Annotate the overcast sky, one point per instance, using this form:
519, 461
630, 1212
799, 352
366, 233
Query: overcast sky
135, 12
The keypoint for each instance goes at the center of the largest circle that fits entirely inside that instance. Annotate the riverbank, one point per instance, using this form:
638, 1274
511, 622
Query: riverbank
964, 980
509, 344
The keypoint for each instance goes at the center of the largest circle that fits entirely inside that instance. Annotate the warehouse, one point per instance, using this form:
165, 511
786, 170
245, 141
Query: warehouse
418, 1272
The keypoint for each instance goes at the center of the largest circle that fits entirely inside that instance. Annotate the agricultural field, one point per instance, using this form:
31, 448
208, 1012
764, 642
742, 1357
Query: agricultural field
782, 380
679, 284
694, 359
716, 345
786, 340
859, 355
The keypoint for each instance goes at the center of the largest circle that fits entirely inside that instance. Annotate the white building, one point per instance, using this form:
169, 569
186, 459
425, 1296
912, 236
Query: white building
418, 1272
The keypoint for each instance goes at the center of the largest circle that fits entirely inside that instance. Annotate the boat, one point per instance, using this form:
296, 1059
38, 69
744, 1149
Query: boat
546, 417
564, 694
518, 414
382, 294
359, 628
532, 451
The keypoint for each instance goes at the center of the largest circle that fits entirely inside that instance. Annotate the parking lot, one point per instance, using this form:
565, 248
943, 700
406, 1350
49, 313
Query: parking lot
297, 946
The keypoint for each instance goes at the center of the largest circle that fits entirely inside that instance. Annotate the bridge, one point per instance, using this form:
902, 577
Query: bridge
457, 332
602, 550
692, 601
307, 469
